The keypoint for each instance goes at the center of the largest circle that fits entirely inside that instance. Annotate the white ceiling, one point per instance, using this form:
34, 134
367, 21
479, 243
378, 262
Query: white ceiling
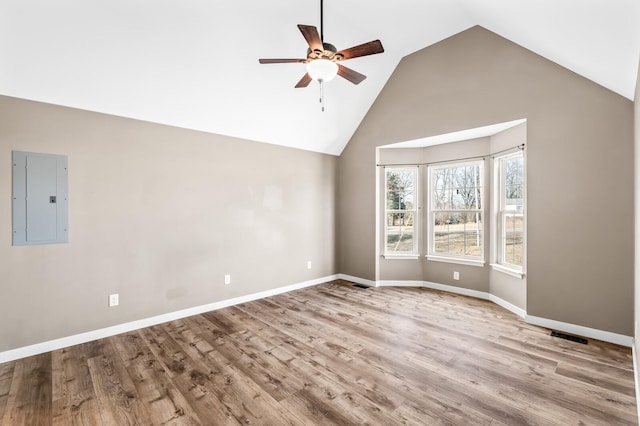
194, 63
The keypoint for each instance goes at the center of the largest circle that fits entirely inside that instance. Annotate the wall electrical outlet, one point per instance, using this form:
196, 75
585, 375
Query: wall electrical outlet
114, 300
456, 275
308, 264
227, 279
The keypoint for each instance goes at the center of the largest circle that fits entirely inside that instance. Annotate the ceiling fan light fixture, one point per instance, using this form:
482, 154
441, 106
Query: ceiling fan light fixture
322, 70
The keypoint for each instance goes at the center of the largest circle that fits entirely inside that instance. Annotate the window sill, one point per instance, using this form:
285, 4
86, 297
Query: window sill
407, 256
512, 272
469, 262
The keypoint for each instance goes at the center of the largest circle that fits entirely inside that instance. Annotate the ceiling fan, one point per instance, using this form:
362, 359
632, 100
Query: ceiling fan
323, 59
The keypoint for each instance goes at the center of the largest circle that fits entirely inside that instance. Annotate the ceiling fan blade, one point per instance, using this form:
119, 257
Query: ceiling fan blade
351, 75
310, 33
304, 81
370, 48
280, 61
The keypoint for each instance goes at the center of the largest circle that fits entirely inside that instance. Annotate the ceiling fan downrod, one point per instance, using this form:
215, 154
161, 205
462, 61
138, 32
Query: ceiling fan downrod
322, 41
322, 21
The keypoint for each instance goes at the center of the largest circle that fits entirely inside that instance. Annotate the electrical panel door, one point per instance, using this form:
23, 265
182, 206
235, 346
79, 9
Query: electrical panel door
40, 199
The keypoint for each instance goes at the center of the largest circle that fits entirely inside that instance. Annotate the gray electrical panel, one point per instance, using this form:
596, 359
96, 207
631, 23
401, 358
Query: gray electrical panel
39, 199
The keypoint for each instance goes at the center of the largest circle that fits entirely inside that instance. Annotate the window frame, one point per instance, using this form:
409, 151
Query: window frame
414, 253
501, 211
432, 255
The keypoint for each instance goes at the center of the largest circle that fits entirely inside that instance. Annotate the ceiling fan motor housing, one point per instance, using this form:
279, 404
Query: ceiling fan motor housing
330, 52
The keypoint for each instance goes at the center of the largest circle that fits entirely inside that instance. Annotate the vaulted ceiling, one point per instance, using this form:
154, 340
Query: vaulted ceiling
194, 63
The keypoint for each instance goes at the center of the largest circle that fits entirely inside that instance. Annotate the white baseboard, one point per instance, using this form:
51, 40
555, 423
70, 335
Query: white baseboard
391, 283
457, 290
356, 280
607, 336
508, 306
64, 342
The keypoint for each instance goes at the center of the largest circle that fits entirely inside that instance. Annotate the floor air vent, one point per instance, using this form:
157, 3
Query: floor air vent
361, 286
569, 337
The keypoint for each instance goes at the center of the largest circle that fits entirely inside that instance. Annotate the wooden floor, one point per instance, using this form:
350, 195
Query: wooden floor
329, 354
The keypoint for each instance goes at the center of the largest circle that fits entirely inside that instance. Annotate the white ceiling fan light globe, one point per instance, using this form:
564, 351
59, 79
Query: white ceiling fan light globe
322, 70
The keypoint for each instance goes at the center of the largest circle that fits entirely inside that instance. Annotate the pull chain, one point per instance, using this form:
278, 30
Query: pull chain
321, 95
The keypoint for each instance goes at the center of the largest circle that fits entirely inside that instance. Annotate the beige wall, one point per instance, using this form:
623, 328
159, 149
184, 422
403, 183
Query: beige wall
579, 165
158, 215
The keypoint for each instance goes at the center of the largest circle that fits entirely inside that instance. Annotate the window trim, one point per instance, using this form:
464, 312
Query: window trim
509, 271
408, 256
459, 261
449, 257
498, 192
414, 253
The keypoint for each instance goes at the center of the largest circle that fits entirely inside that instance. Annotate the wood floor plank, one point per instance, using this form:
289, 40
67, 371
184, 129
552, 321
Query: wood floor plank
252, 363
329, 354
118, 399
593, 378
250, 403
329, 400
309, 328
166, 403
574, 353
414, 413
378, 330
190, 377
5, 385
74, 398
6, 375
271, 377
529, 394
376, 388
30, 394
6, 370
465, 388
304, 332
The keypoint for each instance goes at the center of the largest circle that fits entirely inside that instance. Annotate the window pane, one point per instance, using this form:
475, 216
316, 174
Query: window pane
400, 232
513, 172
513, 239
442, 199
473, 243
441, 224
473, 232
457, 233
393, 200
407, 202
458, 188
459, 199
400, 189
